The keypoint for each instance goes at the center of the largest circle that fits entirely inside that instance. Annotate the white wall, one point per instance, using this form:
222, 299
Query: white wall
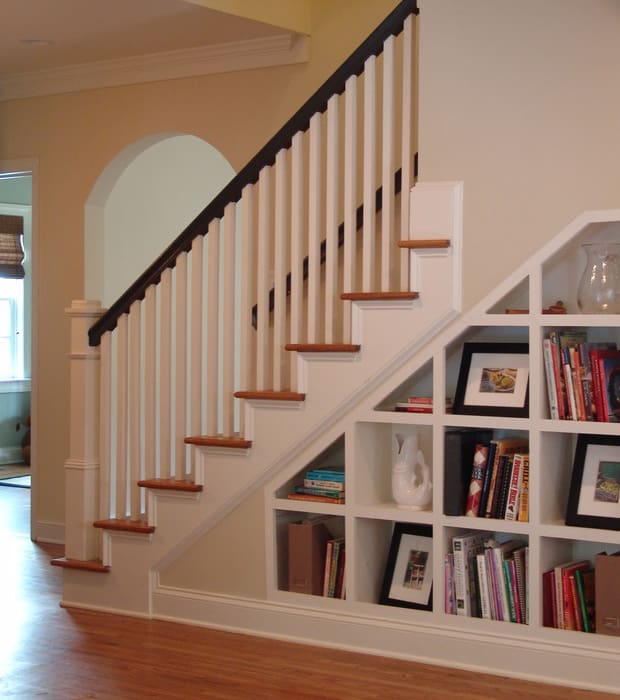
151, 201
521, 102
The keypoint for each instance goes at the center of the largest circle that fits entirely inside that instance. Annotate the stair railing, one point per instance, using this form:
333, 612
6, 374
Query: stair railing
178, 344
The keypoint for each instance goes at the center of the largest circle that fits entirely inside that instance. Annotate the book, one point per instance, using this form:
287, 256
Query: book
609, 370
596, 354
511, 511
500, 553
329, 548
449, 597
560, 571
524, 491
504, 446
459, 449
306, 555
584, 580
336, 561
554, 338
322, 484
552, 391
503, 486
486, 483
548, 593
325, 475
465, 547
314, 498
483, 580
474, 492
519, 557
319, 492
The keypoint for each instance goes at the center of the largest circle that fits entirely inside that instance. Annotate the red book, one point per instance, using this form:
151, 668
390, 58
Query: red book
597, 387
477, 478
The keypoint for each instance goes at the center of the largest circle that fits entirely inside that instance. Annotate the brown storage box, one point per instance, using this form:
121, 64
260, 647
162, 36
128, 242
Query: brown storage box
607, 594
306, 556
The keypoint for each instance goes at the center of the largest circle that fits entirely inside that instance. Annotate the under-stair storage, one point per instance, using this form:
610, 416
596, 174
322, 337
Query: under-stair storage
523, 539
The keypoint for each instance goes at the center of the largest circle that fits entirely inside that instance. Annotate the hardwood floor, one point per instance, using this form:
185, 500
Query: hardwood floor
58, 654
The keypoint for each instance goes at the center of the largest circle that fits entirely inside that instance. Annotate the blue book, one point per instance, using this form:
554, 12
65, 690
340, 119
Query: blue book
325, 475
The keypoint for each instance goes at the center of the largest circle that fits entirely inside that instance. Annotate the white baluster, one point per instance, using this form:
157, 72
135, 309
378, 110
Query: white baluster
228, 321
196, 384
370, 167
406, 149
105, 427
331, 218
165, 373
213, 306
263, 262
133, 423
180, 370
314, 227
350, 200
122, 342
281, 227
297, 235
247, 284
150, 381
387, 178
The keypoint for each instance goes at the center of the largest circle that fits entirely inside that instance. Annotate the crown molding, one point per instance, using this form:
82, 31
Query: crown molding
280, 50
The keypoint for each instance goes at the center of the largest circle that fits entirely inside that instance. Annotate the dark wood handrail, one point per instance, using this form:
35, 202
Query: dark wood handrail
248, 175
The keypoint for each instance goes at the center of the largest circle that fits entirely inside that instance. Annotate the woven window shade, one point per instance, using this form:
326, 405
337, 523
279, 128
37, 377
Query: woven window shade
11, 250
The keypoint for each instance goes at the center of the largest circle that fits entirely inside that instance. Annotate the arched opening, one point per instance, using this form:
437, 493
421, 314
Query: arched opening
141, 202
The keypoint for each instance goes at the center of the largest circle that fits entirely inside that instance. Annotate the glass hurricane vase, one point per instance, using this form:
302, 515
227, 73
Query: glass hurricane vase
599, 287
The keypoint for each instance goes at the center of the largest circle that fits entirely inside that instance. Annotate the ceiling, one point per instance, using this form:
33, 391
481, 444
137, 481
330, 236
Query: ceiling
54, 46
84, 31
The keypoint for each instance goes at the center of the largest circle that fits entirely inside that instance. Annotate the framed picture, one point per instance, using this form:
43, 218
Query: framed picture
493, 380
408, 579
594, 496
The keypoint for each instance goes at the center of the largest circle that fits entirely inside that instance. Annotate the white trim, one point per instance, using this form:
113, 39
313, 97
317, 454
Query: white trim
42, 531
283, 49
10, 455
542, 661
14, 386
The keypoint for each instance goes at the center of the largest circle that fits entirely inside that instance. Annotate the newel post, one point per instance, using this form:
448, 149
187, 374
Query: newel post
82, 466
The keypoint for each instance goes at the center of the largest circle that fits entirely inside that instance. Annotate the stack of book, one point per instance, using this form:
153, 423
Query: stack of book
486, 477
321, 485
568, 596
420, 404
487, 579
583, 378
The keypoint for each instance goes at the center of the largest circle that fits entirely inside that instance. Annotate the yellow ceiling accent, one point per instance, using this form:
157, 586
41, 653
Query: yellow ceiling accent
292, 15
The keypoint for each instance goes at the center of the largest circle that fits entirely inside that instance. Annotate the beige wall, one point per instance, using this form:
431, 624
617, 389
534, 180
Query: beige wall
520, 101
74, 136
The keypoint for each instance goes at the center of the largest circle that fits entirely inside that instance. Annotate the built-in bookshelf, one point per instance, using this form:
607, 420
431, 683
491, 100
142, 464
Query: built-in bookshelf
518, 312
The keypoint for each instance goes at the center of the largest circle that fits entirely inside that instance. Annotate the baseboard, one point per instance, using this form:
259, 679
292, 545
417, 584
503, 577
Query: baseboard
527, 659
53, 533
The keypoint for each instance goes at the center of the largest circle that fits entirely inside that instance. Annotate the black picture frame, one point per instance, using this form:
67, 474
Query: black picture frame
493, 380
408, 577
594, 495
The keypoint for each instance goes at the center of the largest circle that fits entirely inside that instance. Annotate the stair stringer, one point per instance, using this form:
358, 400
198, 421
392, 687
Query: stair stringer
333, 384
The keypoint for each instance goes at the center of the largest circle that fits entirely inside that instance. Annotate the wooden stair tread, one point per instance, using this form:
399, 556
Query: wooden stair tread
271, 395
218, 441
425, 243
322, 347
95, 565
170, 485
125, 525
378, 296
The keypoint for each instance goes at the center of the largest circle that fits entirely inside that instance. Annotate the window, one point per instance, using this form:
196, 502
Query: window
11, 329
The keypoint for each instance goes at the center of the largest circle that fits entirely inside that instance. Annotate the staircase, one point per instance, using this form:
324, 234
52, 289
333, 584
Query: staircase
268, 319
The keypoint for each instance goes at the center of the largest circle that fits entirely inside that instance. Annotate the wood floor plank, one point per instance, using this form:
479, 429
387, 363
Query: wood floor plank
68, 654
